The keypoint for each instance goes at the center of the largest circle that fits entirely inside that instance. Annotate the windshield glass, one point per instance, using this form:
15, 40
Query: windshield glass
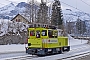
50, 33
38, 34
32, 33
44, 32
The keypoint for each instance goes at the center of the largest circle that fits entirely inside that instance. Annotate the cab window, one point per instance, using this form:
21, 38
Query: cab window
50, 33
55, 34
37, 34
32, 33
44, 32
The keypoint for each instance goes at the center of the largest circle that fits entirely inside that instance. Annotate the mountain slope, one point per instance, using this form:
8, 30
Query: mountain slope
70, 15
10, 10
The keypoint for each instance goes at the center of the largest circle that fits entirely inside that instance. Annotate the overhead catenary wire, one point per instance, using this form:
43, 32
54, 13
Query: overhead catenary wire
71, 6
88, 14
85, 3
11, 1
8, 1
74, 7
2, 4
63, 3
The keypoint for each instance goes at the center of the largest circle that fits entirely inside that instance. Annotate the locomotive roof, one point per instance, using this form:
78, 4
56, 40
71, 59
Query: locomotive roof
40, 28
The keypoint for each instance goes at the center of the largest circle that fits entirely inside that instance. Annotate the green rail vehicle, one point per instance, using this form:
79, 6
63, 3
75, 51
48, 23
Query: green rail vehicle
44, 41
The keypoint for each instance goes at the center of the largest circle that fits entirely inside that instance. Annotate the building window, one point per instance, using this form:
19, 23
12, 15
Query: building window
17, 20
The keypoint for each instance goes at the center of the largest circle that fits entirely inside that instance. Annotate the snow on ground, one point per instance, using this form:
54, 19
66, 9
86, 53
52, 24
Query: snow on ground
73, 41
76, 46
76, 43
21, 47
12, 48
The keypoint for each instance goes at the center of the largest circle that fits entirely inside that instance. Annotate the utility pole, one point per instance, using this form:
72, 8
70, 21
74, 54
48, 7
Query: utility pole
32, 7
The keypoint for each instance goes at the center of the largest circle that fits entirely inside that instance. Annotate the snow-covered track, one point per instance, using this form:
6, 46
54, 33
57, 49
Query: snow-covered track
26, 57
75, 53
75, 57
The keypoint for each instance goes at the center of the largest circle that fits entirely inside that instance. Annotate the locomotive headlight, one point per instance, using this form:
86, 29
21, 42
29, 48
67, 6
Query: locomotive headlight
49, 50
29, 44
39, 49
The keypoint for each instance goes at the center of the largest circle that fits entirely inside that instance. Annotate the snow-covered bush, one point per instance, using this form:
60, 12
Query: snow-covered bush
9, 27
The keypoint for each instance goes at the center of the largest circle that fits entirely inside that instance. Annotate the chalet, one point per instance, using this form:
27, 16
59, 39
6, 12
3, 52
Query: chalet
20, 18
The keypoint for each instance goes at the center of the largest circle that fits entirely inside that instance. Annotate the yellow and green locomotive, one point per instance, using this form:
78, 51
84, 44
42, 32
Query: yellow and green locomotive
44, 41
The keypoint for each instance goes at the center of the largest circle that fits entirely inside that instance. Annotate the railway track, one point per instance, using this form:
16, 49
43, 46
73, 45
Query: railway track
27, 57
74, 54
72, 57
76, 57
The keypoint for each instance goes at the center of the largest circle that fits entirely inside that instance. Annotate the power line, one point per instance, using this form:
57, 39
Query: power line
73, 7
2, 4
8, 1
11, 1
85, 3
62, 2
76, 8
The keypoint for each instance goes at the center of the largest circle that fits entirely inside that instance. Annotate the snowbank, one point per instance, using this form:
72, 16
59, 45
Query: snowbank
12, 48
73, 41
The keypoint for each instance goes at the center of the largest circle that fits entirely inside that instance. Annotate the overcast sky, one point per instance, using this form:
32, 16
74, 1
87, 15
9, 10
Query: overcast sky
75, 3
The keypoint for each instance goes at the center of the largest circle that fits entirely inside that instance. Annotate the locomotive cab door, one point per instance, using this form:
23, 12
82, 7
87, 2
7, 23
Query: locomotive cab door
34, 40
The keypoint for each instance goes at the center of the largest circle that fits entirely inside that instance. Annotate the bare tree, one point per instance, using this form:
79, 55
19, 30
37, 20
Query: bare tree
31, 11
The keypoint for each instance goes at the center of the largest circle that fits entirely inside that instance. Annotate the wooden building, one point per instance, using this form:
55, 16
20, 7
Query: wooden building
20, 18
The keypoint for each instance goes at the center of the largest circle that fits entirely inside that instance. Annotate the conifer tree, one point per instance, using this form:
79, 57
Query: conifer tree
56, 18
